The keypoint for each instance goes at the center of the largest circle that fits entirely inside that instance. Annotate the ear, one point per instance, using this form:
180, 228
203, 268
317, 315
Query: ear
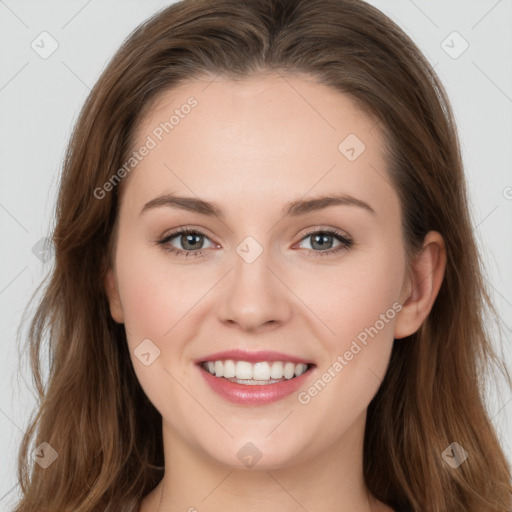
422, 285
112, 292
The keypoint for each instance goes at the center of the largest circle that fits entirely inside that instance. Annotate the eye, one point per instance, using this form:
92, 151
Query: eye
324, 239
190, 240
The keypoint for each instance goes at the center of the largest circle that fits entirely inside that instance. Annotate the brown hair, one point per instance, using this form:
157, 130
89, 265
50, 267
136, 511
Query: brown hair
93, 411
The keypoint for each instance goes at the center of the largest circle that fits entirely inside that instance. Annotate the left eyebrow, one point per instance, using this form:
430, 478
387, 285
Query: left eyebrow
300, 207
293, 208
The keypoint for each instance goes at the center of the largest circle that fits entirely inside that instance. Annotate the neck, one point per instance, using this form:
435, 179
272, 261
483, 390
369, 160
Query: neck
332, 481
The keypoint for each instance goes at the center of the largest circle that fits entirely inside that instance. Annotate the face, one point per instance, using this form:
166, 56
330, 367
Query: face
266, 271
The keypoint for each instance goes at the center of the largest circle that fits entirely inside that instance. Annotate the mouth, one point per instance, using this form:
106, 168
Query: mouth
254, 378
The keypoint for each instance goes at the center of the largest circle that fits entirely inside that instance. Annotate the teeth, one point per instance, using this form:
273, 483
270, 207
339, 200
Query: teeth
219, 369
289, 370
229, 369
276, 371
243, 370
261, 371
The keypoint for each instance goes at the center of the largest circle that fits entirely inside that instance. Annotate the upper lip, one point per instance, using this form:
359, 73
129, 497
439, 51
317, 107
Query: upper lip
252, 357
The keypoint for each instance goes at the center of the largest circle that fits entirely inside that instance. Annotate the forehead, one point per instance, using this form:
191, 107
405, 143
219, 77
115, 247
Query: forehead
267, 136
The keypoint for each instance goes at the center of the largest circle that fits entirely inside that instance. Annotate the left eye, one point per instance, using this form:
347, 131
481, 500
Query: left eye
325, 239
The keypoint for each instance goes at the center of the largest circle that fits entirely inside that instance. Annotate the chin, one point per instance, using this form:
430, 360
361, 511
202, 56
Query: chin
258, 454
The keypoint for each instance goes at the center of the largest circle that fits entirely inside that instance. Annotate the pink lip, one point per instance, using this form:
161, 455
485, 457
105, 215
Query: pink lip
252, 357
255, 394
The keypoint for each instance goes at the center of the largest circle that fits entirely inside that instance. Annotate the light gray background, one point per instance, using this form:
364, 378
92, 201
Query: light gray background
40, 100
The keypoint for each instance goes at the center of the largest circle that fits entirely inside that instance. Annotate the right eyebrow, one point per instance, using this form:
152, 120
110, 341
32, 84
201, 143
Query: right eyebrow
191, 204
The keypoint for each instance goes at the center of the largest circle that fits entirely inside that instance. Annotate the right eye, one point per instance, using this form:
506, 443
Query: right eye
189, 239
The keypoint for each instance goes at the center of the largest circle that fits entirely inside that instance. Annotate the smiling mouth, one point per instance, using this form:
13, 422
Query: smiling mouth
259, 373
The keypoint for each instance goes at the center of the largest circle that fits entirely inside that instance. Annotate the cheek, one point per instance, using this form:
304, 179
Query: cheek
355, 295
155, 295
152, 311
141, 288
359, 303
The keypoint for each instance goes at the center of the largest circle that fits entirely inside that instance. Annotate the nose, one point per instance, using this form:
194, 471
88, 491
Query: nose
254, 294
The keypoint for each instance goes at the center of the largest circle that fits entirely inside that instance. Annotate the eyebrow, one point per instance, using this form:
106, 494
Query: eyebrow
293, 208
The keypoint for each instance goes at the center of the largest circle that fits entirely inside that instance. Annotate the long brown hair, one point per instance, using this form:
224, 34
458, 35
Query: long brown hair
94, 413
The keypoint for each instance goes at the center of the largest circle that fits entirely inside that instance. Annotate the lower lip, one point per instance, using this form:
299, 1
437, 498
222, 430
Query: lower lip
254, 394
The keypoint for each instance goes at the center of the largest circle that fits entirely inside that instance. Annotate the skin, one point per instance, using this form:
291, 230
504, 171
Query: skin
251, 147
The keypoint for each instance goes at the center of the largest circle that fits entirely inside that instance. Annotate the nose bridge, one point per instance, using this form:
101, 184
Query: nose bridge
251, 265
254, 296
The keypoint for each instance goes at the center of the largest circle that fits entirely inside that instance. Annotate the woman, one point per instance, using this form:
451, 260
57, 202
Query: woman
267, 293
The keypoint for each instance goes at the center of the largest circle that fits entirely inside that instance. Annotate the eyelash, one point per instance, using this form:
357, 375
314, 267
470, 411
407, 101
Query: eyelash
346, 242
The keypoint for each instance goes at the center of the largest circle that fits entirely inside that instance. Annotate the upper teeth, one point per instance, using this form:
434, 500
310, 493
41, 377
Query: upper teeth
257, 371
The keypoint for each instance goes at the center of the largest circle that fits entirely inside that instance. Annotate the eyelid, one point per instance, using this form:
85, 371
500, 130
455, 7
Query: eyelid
183, 230
326, 229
